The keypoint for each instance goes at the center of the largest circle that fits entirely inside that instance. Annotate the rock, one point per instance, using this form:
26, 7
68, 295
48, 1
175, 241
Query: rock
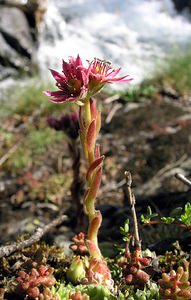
15, 30
20, 22
38, 7
180, 5
34, 10
17, 47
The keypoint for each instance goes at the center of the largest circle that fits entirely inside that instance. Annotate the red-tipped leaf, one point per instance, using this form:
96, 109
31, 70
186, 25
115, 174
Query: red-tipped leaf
96, 163
95, 184
91, 136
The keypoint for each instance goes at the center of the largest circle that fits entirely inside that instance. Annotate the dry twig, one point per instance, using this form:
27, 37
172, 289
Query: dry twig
9, 153
111, 98
182, 178
132, 202
112, 112
7, 250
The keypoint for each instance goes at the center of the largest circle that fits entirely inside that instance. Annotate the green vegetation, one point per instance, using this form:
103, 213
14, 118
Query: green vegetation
138, 93
135, 93
24, 111
179, 215
176, 73
36, 142
96, 292
27, 98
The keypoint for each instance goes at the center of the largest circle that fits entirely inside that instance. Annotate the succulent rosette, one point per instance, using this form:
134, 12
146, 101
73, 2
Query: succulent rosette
98, 273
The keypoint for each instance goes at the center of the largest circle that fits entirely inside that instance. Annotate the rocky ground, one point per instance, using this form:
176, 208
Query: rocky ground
151, 139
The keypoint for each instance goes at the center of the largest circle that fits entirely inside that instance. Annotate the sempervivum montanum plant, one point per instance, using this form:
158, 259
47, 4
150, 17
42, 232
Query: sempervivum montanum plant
78, 84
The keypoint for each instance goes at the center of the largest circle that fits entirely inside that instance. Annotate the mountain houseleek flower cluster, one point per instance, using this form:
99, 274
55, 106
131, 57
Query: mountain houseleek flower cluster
78, 83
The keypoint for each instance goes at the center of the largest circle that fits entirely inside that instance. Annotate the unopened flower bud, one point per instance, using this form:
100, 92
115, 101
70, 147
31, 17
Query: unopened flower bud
76, 271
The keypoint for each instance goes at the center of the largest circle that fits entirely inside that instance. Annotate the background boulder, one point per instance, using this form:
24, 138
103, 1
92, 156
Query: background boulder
19, 28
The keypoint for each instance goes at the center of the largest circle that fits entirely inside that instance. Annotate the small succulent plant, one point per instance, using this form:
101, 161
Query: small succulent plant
133, 262
93, 291
98, 272
76, 271
79, 246
78, 296
133, 267
47, 295
176, 284
30, 283
151, 293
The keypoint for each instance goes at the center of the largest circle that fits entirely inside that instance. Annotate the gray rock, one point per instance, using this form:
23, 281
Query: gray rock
14, 27
17, 47
181, 5
20, 22
14, 2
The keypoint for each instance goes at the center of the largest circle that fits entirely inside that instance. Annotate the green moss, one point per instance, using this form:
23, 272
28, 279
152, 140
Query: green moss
24, 99
138, 93
7, 137
19, 160
39, 139
35, 143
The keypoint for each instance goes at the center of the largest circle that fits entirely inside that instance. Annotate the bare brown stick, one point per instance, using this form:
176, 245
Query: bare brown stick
9, 153
132, 203
182, 178
7, 250
111, 98
112, 112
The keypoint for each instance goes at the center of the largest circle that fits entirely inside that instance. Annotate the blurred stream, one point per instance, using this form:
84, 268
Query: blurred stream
134, 34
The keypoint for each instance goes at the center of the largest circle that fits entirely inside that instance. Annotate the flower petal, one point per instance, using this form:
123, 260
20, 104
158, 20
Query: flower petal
114, 72
66, 69
56, 94
63, 100
58, 76
120, 79
59, 97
